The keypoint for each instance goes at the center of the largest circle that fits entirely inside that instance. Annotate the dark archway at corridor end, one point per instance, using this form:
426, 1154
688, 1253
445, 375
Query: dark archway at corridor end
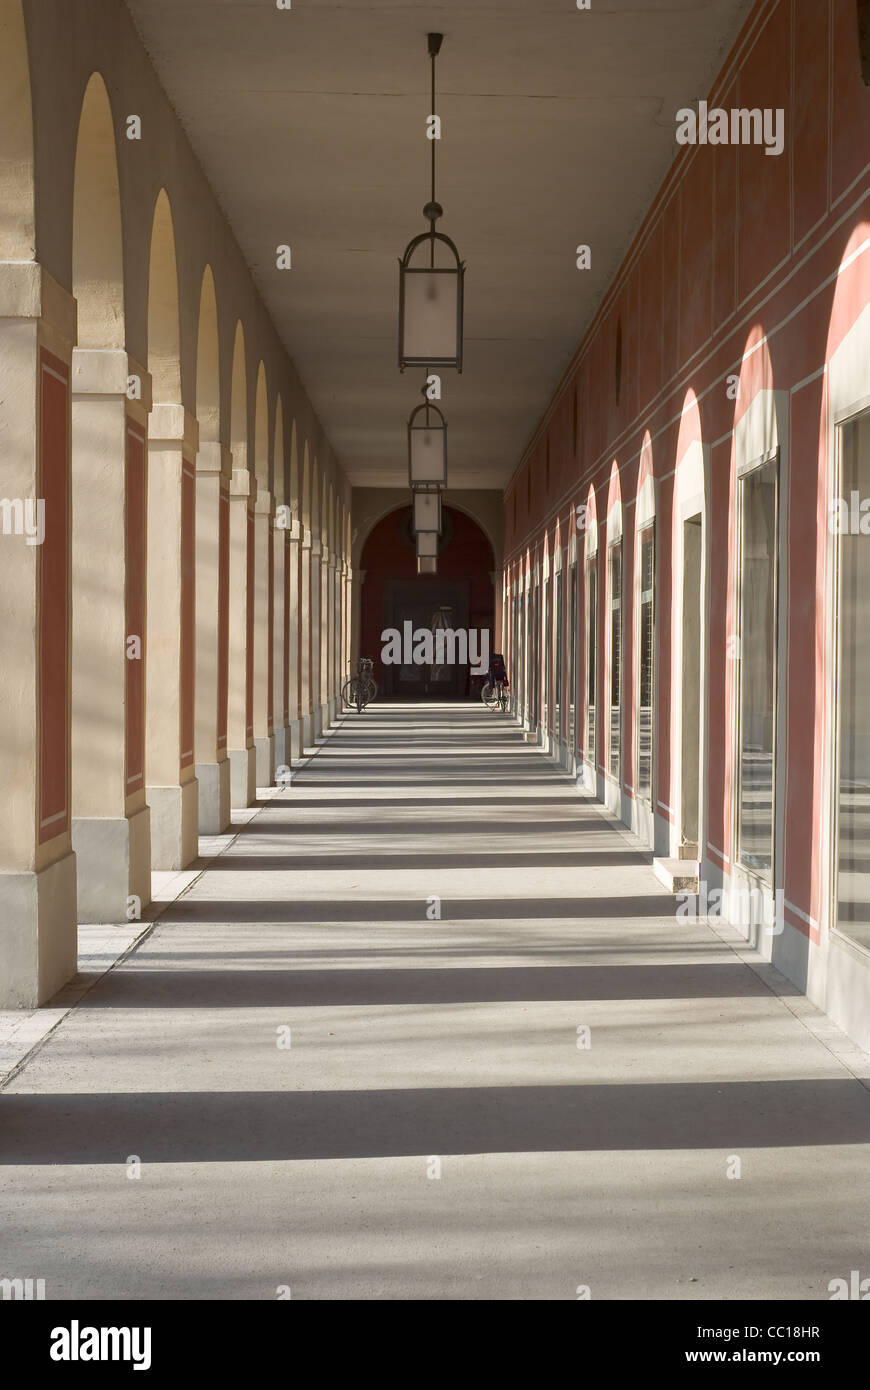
460, 596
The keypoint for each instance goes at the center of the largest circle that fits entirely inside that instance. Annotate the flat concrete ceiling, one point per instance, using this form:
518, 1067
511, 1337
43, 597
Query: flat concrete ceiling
558, 125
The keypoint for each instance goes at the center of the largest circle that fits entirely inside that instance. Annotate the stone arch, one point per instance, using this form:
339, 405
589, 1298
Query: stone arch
239, 401
294, 472
208, 406
279, 467
306, 487
17, 205
164, 336
97, 242
261, 430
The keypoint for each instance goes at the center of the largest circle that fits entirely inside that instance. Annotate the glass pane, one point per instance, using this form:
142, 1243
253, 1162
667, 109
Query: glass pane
557, 638
431, 315
591, 656
647, 631
757, 497
853, 840
615, 655
428, 454
572, 656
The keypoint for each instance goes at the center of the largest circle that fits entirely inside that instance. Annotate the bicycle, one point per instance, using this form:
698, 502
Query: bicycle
495, 691
495, 694
359, 690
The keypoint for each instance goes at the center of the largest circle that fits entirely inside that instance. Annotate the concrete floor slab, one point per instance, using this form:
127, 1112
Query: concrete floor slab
419, 1032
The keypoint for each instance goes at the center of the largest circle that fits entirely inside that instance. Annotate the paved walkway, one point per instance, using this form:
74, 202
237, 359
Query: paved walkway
333, 1088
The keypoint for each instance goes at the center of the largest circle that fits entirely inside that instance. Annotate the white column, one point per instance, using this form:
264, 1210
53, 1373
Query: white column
111, 832
173, 791
213, 475
264, 739
38, 935
280, 659
305, 641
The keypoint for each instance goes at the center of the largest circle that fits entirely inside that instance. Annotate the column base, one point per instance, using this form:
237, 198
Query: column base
214, 797
265, 751
243, 778
113, 865
174, 825
294, 740
281, 746
38, 934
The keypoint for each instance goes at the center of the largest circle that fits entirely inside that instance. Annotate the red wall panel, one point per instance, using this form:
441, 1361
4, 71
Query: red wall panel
54, 599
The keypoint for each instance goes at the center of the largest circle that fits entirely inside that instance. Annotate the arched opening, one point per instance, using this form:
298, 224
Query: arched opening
614, 643
239, 402
97, 246
208, 369
688, 636
589, 726
17, 219
261, 430
164, 354
459, 597
279, 467
644, 644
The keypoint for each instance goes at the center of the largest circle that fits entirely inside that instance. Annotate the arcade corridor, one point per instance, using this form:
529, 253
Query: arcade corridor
434, 650
331, 1089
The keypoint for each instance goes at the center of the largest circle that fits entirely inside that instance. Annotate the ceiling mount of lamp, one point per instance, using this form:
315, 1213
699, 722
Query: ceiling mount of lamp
431, 276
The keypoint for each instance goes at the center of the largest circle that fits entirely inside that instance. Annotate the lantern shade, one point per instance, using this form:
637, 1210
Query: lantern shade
427, 447
427, 564
427, 545
427, 512
430, 306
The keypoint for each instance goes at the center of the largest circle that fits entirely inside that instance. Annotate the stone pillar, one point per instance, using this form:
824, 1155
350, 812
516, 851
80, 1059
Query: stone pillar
264, 622
327, 624
357, 579
240, 694
280, 649
497, 602
38, 935
316, 635
294, 563
213, 475
111, 832
173, 791
306, 570
344, 658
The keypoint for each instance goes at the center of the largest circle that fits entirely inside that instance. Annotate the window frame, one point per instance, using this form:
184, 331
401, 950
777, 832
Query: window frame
764, 878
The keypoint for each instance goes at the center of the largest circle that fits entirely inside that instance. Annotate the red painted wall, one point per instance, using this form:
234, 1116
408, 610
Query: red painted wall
188, 610
736, 242
223, 615
135, 523
387, 556
54, 594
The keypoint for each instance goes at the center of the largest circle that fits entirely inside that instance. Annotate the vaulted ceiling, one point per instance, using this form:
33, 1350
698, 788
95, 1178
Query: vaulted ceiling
558, 125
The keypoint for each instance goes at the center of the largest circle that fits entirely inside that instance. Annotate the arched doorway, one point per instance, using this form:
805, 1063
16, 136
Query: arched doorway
460, 597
